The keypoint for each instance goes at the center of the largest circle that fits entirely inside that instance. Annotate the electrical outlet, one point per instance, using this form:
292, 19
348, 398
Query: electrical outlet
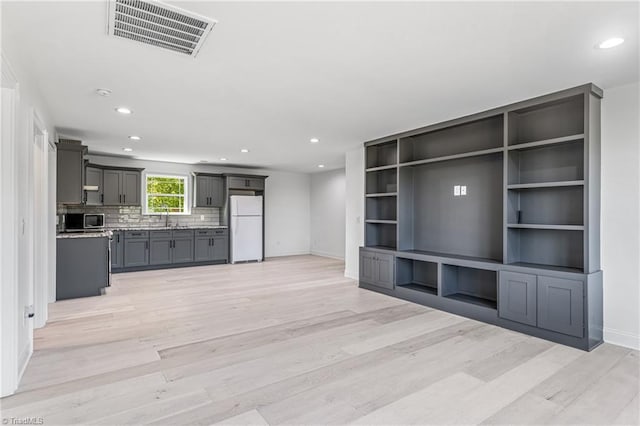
456, 191
463, 190
201, 217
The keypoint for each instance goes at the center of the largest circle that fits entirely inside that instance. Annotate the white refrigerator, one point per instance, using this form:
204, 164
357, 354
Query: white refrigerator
246, 228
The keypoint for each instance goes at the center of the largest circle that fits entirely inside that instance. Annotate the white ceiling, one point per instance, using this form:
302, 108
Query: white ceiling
273, 75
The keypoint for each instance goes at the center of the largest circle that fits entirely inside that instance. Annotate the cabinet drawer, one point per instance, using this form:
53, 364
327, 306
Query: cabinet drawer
561, 305
204, 232
136, 234
183, 233
220, 232
160, 234
517, 294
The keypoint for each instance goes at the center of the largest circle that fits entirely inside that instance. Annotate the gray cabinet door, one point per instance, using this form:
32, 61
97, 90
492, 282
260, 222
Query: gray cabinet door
160, 251
112, 182
237, 182
182, 250
130, 188
203, 185
220, 248
117, 250
93, 177
517, 294
202, 249
136, 252
216, 192
385, 270
561, 305
256, 183
368, 267
70, 169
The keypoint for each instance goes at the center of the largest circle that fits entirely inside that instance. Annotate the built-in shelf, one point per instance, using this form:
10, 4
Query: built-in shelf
393, 222
480, 301
382, 194
546, 184
544, 142
547, 267
417, 275
381, 247
445, 255
544, 226
375, 169
453, 157
421, 287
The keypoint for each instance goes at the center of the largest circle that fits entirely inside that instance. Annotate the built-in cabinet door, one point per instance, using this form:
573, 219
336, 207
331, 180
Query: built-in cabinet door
112, 182
217, 192
70, 170
131, 188
561, 305
220, 248
93, 177
117, 250
203, 184
368, 267
136, 252
384, 270
517, 294
182, 249
160, 251
203, 251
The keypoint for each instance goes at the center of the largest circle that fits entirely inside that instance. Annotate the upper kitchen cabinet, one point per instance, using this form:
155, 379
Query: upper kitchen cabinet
208, 190
248, 182
93, 186
70, 171
121, 187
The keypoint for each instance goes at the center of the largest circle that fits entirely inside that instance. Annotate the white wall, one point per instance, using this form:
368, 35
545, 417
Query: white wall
620, 200
620, 234
328, 214
354, 210
287, 206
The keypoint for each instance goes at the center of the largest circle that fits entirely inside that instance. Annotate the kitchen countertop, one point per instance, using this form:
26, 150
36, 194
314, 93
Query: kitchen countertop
171, 228
101, 234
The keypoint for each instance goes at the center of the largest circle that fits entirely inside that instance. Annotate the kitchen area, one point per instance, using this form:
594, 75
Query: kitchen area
113, 219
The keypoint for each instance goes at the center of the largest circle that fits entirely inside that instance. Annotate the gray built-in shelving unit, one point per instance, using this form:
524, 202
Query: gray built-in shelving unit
521, 248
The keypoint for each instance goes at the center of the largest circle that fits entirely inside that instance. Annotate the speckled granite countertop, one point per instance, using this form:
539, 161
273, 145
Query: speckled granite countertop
101, 234
162, 228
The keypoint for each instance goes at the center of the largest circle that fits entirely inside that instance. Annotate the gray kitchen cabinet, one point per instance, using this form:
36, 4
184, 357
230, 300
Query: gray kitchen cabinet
517, 297
377, 268
121, 187
211, 245
82, 266
220, 248
246, 182
182, 250
202, 249
160, 247
70, 172
209, 190
93, 176
136, 249
117, 250
561, 305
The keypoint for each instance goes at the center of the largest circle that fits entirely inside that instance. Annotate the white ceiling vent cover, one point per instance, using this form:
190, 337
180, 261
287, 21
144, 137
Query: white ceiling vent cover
159, 24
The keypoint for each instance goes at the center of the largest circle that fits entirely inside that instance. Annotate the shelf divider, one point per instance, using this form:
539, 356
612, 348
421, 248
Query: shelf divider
545, 226
546, 142
546, 184
453, 157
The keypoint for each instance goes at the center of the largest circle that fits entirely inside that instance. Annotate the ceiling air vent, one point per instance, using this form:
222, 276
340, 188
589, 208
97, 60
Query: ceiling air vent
159, 24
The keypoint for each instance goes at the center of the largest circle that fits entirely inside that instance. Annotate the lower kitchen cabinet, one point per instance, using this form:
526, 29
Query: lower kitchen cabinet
377, 268
160, 250
136, 249
82, 266
182, 250
211, 245
561, 305
117, 250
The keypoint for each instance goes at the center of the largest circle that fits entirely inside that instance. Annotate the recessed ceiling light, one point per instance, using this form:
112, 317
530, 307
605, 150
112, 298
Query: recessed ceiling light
135, 138
321, 166
611, 42
244, 150
223, 159
127, 149
314, 140
103, 92
124, 110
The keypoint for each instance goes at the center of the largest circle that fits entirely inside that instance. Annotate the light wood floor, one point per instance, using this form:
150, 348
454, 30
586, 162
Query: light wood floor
292, 341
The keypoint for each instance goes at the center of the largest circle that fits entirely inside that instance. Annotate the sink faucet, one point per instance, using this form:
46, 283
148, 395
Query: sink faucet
166, 215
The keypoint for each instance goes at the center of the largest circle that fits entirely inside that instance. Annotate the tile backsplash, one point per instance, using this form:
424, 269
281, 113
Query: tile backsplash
132, 217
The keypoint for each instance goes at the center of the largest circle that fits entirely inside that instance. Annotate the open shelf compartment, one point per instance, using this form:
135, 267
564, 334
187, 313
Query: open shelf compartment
382, 181
383, 154
470, 285
417, 275
381, 235
549, 120
473, 136
381, 208
541, 248
563, 205
548, 163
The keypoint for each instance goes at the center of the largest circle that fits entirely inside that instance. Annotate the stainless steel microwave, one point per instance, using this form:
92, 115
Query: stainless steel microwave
94, 221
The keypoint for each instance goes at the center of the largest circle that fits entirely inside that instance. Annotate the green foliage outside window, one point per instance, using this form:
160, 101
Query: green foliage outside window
165, 194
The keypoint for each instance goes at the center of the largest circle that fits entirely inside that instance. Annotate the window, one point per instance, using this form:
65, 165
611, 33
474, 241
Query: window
166, 194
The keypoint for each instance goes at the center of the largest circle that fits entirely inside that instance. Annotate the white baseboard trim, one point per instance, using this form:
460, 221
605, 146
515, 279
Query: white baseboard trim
23, 360
622, 338
329, 255
301, 253
351, 274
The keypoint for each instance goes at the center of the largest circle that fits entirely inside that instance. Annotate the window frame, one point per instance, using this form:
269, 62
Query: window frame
187, 195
